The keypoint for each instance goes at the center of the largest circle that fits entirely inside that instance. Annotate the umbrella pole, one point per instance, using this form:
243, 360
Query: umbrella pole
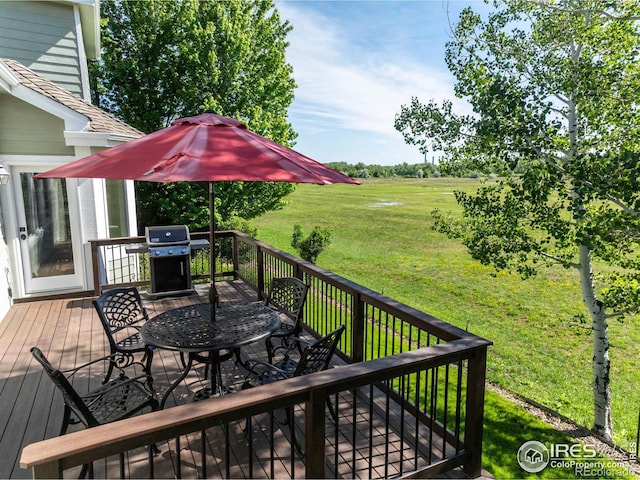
213, 294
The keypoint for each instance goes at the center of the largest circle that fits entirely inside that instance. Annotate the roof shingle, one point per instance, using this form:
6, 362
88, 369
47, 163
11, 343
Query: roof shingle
99, 120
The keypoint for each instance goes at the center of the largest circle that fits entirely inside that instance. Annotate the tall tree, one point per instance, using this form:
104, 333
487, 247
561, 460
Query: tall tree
164, 60
554, 86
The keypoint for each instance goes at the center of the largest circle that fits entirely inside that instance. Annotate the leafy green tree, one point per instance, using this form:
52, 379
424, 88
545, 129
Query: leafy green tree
313, 245
165, 60
554, 86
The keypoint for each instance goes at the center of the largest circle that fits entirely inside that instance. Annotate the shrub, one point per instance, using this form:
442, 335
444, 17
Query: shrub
309, 248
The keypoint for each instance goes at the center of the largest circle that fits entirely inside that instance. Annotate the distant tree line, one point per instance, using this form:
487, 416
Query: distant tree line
419, 170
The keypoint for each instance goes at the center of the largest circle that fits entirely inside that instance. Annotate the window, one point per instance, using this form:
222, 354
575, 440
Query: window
117, 208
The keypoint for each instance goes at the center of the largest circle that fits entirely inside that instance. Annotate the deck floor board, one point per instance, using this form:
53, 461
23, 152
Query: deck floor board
69, 333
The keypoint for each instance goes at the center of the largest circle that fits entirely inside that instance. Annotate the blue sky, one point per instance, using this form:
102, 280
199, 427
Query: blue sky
356, 63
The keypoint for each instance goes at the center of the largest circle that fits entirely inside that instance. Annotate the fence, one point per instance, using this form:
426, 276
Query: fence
423, 377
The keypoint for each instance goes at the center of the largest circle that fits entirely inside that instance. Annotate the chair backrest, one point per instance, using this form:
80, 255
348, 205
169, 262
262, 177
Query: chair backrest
316, 357
287, 295
71, 397
120, 308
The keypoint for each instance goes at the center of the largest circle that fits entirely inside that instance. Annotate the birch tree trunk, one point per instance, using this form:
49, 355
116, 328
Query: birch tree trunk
601, 365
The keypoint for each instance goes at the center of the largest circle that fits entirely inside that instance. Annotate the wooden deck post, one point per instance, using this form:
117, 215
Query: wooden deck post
260, 266
476, 373
235, 255
48, 470
96, 267
314, 435
357, 333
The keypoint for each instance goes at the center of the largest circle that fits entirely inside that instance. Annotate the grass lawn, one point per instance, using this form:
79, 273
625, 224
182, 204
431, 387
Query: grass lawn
382, 238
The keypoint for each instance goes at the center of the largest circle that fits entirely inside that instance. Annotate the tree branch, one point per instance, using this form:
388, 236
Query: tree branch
584, 11
622, 313
558, 260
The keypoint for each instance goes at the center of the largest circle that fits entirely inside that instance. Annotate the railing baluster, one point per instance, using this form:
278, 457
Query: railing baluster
402, 419
203, 452
458, 406
336, 436
416, 401
178, 459
445, 409
271, 440
151, 461
250, 447
227, 449
353, 441
387, 428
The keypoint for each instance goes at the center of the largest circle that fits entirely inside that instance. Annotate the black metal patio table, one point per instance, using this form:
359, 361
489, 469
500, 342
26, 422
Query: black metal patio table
191, 331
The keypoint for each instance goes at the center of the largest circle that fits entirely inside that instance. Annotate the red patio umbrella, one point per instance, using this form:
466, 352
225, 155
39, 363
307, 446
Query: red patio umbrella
206, 147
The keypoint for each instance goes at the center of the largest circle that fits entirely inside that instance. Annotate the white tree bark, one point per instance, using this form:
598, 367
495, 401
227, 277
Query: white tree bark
601, 366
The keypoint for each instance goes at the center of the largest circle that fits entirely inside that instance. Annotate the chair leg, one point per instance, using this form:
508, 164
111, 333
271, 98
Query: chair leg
269, 347
87, 468
332, 411
107, 377
66, 417
147, 368
239, 361
182, 360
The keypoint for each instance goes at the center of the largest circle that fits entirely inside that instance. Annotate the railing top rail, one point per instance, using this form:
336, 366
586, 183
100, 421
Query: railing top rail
76, 448
117, 241
404, 312
440, 328
142, 239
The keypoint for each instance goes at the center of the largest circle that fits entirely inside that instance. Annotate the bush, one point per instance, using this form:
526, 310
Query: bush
309, 248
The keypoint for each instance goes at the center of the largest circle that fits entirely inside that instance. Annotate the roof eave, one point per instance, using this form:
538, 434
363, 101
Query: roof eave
94, 139
89, 11
8, 80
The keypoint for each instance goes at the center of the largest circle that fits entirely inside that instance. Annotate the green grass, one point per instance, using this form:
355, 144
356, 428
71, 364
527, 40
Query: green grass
382, 238
508, 426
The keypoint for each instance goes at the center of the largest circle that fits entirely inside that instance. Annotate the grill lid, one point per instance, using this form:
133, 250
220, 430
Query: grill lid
167, 235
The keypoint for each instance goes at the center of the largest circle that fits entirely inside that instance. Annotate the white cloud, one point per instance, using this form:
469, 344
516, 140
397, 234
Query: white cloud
352, 83
358, 90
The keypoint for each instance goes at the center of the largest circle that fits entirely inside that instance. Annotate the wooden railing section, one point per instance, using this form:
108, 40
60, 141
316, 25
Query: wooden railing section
433, 371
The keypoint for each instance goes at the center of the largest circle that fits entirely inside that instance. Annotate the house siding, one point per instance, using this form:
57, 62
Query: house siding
43, 37
27, 130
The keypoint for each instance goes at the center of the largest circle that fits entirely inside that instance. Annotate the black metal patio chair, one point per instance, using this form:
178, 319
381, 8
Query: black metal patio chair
315, 357
287, 295
120, 398
122, 313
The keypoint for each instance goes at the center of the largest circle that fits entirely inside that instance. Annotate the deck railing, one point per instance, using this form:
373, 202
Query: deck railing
432, 373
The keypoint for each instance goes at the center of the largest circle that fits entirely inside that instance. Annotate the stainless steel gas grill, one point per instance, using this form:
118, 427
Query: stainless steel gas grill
169, 250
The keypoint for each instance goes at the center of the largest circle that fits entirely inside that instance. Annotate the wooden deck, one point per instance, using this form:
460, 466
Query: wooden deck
69, 333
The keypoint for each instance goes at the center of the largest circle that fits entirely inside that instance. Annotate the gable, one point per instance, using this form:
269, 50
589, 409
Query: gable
79, 115
27, 130
43, 37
